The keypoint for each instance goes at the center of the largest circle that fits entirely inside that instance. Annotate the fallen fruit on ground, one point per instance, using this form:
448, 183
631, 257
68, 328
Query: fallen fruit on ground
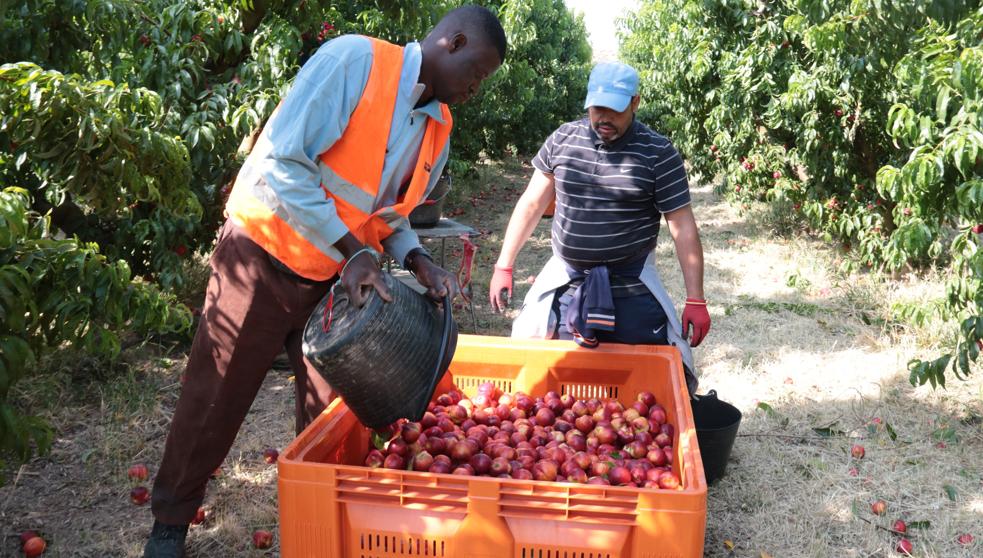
904, 546
199, 517
138, 472
899, 526
34, 547
27, 535
270, 455
139, 495
879, 507
965, 539
262, 538
857, 451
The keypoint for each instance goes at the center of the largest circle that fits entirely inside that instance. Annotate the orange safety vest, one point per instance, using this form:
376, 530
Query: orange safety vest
357, 158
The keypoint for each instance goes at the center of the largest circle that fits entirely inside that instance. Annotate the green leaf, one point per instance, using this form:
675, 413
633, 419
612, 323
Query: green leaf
921, 524
942, 103
950, 491
767, 409
890, 431
379, 440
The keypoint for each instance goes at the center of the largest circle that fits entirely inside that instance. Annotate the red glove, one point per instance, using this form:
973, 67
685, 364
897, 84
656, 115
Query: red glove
695, 314
500, 281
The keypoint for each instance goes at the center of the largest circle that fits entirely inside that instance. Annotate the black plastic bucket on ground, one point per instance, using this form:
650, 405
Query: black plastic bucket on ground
716, 429
428, 213
385, 358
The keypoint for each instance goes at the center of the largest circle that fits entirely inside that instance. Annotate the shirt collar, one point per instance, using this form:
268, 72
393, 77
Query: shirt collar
618, 143
412, 60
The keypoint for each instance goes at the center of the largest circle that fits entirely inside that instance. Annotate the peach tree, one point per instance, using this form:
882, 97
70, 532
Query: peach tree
862, 120
123, 124
61, 290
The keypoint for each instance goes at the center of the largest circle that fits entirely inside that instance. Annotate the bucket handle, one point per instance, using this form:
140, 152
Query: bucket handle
444, 341
432, 201
712, 394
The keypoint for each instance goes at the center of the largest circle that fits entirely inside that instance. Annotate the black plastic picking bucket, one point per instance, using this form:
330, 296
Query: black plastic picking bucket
716, 429
385, 358
428, 213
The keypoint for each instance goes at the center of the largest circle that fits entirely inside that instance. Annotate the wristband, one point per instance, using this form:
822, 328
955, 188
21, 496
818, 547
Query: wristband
696, 301
353, 256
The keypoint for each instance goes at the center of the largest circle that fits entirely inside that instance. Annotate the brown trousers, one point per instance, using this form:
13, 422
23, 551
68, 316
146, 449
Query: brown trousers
252, 311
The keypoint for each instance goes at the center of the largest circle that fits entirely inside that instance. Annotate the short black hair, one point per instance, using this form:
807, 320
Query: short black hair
479, 19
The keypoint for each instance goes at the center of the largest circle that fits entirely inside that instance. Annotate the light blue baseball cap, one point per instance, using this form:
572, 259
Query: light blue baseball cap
611, 85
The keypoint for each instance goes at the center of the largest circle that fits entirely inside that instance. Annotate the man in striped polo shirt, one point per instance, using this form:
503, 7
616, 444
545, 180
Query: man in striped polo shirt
613, 180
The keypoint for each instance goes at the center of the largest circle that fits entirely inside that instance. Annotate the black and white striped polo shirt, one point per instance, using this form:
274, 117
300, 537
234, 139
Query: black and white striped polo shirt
610, 198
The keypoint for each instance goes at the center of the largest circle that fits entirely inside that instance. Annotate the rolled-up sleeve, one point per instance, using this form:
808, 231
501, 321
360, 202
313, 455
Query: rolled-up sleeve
312, 116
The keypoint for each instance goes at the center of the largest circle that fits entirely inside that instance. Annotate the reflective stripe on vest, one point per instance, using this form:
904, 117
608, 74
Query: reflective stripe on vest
356, 159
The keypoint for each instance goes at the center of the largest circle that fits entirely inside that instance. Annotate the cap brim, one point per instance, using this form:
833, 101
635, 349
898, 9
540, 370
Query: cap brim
614, 101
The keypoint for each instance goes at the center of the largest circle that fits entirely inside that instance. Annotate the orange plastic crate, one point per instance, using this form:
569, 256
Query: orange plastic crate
331, 506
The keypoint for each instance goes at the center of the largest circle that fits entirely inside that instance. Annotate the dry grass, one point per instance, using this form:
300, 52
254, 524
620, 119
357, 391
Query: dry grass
788, 331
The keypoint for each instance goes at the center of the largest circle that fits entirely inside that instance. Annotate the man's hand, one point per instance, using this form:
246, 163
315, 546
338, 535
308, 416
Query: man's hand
695, 314
501, 282
360, 275
437, 280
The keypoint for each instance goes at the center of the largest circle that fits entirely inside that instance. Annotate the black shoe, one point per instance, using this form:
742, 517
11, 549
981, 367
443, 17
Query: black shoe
166, 541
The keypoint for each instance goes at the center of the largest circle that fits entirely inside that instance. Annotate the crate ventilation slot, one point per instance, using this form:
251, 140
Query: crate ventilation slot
588, 391
471, 383
376, 545
528, 552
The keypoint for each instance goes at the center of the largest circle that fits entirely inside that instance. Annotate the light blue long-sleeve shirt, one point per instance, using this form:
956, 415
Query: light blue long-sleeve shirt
314, 115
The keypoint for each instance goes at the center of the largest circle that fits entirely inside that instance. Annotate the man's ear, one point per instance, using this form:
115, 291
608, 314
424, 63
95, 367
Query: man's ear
634, 103
457, 42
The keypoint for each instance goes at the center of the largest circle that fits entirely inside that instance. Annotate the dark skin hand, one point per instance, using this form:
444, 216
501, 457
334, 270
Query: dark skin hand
436, 279
362, 274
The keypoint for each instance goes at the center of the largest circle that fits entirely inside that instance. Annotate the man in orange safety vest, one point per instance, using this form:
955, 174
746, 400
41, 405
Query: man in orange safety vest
357, 143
